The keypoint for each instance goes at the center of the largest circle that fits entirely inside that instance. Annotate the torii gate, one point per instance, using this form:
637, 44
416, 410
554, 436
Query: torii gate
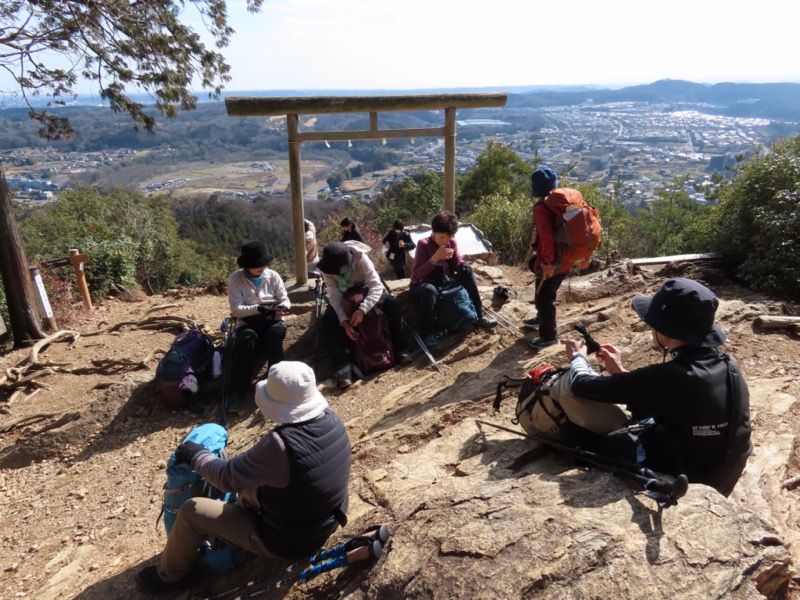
240, 106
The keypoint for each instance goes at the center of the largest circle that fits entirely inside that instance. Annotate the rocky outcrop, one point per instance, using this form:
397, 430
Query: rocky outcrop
498, 516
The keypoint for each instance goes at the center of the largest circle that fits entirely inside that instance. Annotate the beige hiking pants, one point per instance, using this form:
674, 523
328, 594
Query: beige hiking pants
200, 517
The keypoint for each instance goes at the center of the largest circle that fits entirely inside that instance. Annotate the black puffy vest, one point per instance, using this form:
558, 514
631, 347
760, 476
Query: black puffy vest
298, 519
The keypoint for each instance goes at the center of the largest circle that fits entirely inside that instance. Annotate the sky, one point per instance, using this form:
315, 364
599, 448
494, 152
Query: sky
417, 44
423, 44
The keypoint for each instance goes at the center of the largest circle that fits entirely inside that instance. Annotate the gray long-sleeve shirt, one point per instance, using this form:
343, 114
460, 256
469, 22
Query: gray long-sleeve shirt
266, 463
244, 297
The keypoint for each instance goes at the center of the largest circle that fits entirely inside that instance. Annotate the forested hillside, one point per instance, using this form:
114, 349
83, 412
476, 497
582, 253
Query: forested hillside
156, 243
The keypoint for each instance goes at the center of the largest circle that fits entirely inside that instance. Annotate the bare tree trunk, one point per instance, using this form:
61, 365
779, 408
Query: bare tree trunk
22, 307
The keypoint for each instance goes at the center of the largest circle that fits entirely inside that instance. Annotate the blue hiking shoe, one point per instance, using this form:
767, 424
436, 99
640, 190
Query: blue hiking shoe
430, 340
539, 343
531, 321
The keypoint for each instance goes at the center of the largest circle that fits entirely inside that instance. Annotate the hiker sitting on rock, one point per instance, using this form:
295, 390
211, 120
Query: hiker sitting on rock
257, 296
437, 257
292, 484
699, 400
345, 270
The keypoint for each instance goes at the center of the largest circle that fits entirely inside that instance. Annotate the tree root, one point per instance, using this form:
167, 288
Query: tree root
22, 421
29, 370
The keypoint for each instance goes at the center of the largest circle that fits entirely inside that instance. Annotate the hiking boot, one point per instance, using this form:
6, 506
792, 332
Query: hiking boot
531, 321
148, 581
430, 340
539, 343
485, 322
403, 357
344, 377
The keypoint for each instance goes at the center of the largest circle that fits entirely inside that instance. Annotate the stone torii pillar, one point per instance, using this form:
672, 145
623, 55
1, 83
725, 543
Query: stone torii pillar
293, 106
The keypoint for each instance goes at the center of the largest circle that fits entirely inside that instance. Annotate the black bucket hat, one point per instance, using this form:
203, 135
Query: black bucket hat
684, 310
336, 258
254, 255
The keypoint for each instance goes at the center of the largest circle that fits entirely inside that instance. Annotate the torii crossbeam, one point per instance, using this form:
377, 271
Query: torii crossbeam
239, 106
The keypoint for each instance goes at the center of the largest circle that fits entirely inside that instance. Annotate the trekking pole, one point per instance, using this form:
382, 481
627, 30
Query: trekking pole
413, 332
539, 287
666, 493
504, 322
229, 340
339, 556
421, 344
319, 302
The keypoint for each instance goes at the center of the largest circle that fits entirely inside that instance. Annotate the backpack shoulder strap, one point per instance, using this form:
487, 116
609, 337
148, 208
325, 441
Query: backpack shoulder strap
734, 404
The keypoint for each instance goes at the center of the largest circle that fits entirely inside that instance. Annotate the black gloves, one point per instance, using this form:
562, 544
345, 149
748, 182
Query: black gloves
186, 452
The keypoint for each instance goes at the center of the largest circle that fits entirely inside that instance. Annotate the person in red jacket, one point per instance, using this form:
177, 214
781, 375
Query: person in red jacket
550, 271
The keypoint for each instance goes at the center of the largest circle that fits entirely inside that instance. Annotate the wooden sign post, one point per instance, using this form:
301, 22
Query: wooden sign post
76, 260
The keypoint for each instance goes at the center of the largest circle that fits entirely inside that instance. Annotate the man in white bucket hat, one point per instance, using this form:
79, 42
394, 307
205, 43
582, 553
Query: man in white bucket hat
292, 484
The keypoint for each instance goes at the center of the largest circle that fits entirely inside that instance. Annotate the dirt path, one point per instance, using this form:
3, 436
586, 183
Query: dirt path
82, 521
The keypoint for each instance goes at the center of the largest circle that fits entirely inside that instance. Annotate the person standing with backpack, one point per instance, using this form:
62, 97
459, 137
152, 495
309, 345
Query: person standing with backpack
292, 484
436, 258
397, 242
258, 298
555, 256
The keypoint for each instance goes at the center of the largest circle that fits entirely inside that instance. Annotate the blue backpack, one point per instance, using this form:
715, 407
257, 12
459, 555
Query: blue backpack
454, 310
183, 483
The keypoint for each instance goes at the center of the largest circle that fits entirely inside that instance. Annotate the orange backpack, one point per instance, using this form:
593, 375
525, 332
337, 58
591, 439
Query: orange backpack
578, 229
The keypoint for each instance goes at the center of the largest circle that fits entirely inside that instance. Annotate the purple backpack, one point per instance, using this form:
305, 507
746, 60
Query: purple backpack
177, 373
373, 350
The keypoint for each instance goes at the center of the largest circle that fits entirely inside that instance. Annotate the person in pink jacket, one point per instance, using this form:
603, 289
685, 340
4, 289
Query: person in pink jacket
437, 257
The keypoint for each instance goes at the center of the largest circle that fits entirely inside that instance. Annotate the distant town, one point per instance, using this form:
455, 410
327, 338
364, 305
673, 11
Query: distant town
638, 145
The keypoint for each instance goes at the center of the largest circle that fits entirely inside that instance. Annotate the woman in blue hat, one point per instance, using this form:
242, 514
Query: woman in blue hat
698, 400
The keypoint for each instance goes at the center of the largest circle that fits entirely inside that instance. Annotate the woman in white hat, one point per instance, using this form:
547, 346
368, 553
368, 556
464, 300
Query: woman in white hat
292, 484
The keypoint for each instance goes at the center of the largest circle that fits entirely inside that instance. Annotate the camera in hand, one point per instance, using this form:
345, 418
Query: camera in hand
267, 309
266, 316
591, 344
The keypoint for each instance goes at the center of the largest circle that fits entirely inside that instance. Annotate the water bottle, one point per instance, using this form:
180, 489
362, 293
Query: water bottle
216, 365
